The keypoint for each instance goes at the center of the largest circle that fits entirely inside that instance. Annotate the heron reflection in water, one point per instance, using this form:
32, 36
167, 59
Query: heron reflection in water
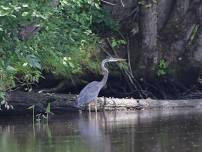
89, 93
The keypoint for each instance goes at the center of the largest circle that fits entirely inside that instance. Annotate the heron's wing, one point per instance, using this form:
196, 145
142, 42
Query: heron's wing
89, 93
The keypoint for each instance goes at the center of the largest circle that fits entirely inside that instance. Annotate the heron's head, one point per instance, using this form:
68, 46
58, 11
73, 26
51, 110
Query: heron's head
107, 60
112, 59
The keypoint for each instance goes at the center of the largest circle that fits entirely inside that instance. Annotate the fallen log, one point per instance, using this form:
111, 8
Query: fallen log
21, 101
62, 103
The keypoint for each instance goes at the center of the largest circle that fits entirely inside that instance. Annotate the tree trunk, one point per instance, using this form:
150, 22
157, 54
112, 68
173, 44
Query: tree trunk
164, 10
148, 29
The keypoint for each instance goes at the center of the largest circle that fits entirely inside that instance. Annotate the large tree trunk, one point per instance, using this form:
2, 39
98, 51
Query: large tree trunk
164, 10
148, 29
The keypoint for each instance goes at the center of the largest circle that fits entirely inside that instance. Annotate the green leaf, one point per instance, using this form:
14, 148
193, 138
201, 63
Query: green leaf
3, 13
71, 64
5, 8
122, 42
33, 61
2, 95
114, 43
10, 69
25, 13
25, 5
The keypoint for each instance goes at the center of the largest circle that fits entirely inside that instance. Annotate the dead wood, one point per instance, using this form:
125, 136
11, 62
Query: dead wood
64, 103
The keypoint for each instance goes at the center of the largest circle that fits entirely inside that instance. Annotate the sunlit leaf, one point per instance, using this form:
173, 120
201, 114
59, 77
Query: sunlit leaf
33, 61
11, 69
4, 7
25, 13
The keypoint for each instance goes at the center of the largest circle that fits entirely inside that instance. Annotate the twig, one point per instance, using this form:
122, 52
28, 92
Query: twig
112, 48
134, 12
108, 2
128, 52
127, 72
108, 54
122, 3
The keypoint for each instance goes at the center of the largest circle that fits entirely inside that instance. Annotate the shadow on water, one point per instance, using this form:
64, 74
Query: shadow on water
141, 131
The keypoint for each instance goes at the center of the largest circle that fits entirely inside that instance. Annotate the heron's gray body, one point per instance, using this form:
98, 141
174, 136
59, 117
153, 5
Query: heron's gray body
84, 98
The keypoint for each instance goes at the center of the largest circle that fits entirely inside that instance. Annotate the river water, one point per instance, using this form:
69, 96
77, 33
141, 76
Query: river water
176, 130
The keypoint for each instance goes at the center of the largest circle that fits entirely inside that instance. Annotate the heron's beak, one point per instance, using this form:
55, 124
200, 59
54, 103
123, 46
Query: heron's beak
116, 59
119, 59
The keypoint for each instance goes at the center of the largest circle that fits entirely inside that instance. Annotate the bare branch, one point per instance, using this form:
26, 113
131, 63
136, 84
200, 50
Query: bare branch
122, 3
108, 2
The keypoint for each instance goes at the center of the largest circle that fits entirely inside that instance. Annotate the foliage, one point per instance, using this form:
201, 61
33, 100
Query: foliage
65, 44
2, 98
40, 116
162, 68
117, 42
193, 33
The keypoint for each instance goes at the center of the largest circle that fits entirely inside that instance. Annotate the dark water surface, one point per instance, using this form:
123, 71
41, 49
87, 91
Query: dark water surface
142, 131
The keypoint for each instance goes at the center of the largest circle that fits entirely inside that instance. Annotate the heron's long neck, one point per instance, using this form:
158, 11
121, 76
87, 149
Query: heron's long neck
106, 72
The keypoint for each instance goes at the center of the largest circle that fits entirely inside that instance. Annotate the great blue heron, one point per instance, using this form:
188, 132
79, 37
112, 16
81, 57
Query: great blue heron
90, 92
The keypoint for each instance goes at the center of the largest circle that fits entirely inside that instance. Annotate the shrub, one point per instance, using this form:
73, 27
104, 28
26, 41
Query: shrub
36, 36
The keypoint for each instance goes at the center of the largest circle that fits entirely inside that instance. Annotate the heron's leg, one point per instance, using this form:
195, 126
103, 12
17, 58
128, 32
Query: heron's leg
104, 104
89, 110
96, 110
96, 106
